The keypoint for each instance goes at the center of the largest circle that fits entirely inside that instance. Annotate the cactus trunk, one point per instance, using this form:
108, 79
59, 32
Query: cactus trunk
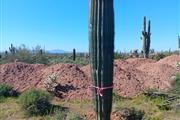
101, 48
146, 39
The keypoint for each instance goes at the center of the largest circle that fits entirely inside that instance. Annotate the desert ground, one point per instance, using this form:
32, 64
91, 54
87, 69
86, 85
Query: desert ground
131, 78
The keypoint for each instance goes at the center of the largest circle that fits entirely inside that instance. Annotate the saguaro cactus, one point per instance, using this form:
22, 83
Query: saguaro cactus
6, 54
74, 54
146, 39
12, 49
179, 44
101, 44
40, 51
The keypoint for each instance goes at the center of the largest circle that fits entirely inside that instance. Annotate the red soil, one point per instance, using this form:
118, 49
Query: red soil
130, 77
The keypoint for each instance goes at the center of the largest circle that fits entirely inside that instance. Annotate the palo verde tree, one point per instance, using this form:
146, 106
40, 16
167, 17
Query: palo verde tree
101, 48
146, 39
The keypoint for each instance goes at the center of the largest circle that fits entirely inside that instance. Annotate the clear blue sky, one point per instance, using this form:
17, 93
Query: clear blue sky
63, 24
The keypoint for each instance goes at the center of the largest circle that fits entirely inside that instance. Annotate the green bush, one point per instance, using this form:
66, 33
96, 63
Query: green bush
131, 113
117, 97
176, 86
6, 90
74, 117
155, 94
159, 56
60, 115
35, 102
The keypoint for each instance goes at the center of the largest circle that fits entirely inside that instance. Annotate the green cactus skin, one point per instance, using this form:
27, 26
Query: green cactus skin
146, 39
144, 26
101, 49
74, 54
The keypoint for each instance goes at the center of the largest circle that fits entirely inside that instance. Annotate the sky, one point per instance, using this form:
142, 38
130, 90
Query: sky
63, 24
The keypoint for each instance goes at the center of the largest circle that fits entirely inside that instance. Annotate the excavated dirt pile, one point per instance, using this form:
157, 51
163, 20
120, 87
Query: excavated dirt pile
130, 76
74, 84
171, 60
20, 75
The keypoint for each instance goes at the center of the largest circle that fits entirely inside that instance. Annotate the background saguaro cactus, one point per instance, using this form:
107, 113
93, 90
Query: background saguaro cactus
12, 49
146, 38
74, 54
101, 44
179, 44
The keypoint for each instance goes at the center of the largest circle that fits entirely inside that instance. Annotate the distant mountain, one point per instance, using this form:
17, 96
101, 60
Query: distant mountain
57, 51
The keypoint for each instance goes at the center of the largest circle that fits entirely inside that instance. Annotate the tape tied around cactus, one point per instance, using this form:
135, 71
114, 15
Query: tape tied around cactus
100, 90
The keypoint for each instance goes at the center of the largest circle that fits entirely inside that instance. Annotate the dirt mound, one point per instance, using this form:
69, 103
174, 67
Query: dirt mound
130, 76
86, 69
20, 75
74, 84
128, 81
136, 62
134, 75
159, 75
170, 60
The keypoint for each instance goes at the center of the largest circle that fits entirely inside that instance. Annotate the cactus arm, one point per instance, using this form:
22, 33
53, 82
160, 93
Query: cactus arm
144, 25
149, 27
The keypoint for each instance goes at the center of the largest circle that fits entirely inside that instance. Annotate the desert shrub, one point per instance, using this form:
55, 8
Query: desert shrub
176, 86
50, 83
175, 91
152, 118
81, 61
73, 117
6, 91
117, 97
159, 56
40, 58
134, 53
159, 98
131, 113
121, 55
60, 115
35, 102
117, 55
154, 94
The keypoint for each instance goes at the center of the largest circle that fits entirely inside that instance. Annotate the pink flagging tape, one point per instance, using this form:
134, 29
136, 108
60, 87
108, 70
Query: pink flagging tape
100, 90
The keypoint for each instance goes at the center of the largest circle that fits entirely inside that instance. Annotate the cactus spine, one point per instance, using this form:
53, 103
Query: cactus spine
101, 48
146, 39
74, 54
